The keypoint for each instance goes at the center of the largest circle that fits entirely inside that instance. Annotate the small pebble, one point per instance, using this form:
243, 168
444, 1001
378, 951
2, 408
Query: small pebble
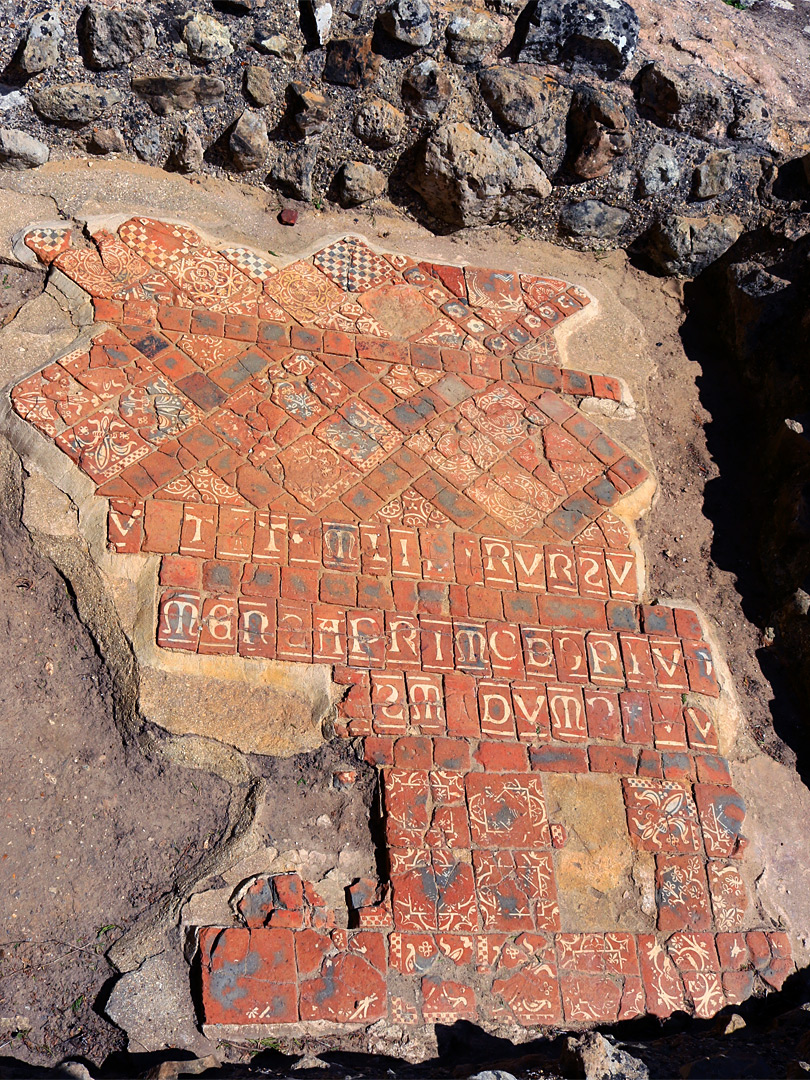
344, 779
288, 216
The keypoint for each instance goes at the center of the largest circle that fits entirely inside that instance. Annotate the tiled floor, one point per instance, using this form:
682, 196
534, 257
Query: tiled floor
378, 464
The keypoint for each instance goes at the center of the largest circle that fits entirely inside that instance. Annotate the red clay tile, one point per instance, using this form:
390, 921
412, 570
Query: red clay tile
502, 757
572, 759
258, 959
681, 892
432, 555
125, 526
161, 526
348, 990
609, 759
451, 754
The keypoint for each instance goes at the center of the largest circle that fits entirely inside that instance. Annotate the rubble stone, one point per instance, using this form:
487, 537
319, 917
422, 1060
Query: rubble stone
595, 1057
113, 37
167, 94
317, 16
293, 169
206, 38
659, 171
683, 246
594, 35
187, 149
358, 183
426, 89
752, 119
517, 100
471, 36
310, 109
351, 62
107, 141
379, 124
74, 103
259, 85
684, 99
598, 133
249, 142
21, 151
147, 144
408, 21
41, 43
267, 41
468, 179
593, 218
714, 175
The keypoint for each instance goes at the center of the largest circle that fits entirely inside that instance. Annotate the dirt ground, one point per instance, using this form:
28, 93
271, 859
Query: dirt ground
94, 833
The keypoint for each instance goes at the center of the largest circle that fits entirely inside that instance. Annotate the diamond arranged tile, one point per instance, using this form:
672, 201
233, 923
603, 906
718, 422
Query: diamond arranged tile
352, 265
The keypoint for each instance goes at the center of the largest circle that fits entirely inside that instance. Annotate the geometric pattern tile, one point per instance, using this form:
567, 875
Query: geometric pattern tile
375, 463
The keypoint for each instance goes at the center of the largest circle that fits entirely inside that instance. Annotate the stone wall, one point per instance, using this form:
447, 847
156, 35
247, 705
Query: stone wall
552, 117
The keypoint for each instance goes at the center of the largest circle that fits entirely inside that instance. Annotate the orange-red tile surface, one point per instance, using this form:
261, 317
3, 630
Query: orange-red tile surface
378, 464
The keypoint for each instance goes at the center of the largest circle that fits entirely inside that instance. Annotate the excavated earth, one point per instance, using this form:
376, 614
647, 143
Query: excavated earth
112, 825
128, 822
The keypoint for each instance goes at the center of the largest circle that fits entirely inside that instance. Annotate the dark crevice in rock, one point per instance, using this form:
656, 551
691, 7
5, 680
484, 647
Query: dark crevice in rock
747, 326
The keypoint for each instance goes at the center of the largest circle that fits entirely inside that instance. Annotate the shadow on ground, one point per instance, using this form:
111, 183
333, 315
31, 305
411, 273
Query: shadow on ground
740, 500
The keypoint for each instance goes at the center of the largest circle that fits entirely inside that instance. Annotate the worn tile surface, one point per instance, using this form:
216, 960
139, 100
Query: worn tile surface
364, 461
